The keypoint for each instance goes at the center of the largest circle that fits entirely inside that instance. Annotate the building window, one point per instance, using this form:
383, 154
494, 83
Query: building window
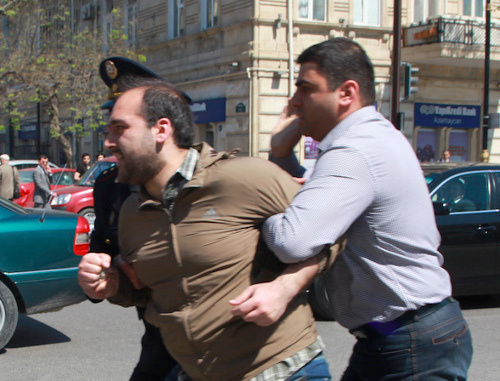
425, 9
474, 8
176, 18
367, 12
312, 10
209, 13
131, 21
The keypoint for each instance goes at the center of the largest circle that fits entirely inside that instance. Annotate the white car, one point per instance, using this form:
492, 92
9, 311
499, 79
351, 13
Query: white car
21, 164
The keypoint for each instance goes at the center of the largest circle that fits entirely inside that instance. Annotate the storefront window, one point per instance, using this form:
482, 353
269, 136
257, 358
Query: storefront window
458, 145
426, 145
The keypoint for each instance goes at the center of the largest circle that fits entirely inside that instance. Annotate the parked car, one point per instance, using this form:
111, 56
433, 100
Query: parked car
60, 176
21, 164
466, 199
79, 198
38, 265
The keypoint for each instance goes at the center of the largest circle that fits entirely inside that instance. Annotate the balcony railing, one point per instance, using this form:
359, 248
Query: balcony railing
439, 30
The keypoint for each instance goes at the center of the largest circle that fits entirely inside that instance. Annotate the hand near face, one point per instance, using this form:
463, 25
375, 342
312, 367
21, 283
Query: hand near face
96, 276
286, 133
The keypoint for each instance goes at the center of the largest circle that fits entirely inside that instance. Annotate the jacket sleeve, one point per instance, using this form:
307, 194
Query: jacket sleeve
127, 295
17, 182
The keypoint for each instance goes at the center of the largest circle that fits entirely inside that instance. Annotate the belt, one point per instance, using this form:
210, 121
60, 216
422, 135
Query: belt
375, 329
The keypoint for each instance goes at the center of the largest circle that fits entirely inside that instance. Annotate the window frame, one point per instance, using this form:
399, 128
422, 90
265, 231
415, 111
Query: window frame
361, 7
209, 13
176, 18
310, 10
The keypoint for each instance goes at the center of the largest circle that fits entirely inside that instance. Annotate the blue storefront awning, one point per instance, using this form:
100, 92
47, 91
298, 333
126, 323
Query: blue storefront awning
209, 110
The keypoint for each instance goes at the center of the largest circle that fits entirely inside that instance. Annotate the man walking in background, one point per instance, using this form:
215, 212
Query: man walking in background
9, 178
42, 177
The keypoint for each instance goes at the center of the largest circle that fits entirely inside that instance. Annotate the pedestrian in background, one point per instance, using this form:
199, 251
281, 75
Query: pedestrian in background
9, 179
82, 167
42, 178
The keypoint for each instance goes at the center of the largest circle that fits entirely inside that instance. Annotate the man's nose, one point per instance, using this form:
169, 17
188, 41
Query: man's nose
295, 100
109, 142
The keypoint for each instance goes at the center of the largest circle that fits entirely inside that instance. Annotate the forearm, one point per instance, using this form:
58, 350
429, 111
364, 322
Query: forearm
297, 277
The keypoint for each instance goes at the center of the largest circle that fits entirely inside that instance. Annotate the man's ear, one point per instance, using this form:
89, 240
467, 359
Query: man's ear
349, 92
164, 130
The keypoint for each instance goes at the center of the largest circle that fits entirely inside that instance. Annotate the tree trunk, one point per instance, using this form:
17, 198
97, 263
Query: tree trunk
55, 129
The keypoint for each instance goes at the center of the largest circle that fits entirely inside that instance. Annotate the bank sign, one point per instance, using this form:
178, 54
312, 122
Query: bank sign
442, 115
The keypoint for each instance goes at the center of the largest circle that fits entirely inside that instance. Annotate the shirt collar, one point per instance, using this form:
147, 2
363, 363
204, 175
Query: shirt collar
188, 166
341, 128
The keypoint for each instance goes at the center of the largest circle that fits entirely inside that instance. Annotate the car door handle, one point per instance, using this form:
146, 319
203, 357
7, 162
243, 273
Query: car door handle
486, 229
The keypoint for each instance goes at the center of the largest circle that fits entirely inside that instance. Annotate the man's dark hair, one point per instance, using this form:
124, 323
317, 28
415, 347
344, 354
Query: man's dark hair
340, 59
85, 154
128, 82
164, 101
42, 157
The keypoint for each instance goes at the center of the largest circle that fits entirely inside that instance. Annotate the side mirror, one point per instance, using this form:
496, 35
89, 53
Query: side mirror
441, 208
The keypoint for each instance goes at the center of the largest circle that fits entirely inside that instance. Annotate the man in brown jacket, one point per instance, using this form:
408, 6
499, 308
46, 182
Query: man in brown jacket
190, 241
9, 178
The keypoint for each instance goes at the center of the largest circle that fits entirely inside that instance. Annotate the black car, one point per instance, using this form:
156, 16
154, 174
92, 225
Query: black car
466, 199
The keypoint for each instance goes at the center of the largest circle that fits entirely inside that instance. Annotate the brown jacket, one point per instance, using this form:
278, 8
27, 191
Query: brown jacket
197, 258
8, 177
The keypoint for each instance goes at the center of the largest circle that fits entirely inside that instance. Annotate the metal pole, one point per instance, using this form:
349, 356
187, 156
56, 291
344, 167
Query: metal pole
396, 61
485, 154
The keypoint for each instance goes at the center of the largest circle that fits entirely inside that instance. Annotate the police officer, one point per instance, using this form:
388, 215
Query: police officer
121, 74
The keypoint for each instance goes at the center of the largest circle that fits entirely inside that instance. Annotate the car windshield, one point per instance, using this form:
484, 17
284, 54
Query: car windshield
63, 178
93, 173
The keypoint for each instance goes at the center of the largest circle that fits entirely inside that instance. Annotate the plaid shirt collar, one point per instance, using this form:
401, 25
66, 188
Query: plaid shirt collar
183, 174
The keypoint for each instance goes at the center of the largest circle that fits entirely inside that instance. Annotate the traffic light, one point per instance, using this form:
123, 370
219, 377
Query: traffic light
410, 81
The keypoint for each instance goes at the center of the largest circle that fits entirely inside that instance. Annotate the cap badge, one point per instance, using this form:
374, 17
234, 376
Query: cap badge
111, 69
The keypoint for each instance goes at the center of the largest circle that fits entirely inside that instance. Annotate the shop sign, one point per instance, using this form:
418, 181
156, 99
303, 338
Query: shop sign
209, 110
444, 115
28, 131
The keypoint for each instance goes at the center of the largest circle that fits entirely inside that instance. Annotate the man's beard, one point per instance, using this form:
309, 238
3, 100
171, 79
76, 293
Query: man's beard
139, 168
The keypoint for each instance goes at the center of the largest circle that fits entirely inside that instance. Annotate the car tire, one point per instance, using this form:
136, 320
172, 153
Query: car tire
8, 315
89, 215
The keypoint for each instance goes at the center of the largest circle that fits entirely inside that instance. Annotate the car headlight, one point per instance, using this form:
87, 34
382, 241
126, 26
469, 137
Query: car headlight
61, 199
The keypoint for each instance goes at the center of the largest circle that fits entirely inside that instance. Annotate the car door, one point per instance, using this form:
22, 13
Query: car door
470, 233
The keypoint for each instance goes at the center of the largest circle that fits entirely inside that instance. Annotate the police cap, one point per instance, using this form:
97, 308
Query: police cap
112, 69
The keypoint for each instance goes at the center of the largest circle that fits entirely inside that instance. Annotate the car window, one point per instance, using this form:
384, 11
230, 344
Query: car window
26, 176
465, 192
93, 172
63, 178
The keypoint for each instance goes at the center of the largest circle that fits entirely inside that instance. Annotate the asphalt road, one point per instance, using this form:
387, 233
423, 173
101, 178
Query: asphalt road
101, 342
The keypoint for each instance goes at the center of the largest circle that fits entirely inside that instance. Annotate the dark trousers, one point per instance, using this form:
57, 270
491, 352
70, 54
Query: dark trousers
155, 362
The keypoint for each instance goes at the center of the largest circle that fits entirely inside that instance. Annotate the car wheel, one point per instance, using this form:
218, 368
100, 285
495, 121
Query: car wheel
8, 315
89, 215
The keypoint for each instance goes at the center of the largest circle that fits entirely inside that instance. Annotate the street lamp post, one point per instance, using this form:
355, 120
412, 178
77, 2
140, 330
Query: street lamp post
396, 61
485, 155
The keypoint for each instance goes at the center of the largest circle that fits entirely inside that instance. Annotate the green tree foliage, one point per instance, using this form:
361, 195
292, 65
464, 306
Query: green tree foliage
50, 53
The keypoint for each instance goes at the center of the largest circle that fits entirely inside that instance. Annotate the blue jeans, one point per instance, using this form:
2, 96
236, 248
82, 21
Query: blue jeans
316, 369
436, 345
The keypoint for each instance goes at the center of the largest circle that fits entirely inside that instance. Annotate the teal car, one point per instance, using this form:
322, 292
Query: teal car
38, 262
